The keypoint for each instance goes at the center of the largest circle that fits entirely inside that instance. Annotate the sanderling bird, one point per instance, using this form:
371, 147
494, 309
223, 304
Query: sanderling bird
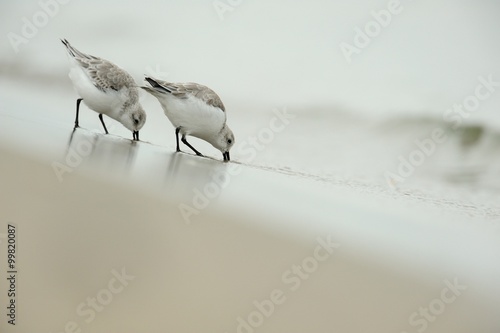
107, 89
194, 110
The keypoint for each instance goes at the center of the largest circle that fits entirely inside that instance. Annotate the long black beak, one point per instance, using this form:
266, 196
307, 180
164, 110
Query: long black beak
226, 156
135, 135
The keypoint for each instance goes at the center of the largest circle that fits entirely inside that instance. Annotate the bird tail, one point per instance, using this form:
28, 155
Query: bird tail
72, 51
156, 87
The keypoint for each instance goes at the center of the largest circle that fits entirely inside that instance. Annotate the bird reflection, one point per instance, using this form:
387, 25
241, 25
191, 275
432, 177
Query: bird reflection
188, 175
105, 153
172, 169
131, 154
81, 149
70, 139
184, 175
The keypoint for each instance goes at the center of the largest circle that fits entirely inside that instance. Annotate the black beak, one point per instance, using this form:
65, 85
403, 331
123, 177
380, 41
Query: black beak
226, 156
135, 135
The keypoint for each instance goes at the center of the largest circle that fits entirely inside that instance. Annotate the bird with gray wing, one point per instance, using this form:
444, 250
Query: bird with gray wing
107, 89
194, 110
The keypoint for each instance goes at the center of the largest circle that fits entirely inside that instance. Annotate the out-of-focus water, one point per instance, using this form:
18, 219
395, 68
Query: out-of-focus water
357, 119
427, 58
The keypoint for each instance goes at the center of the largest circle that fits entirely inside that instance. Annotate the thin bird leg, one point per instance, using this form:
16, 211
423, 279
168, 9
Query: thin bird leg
177, 137
103, 124
135, 135
189, 145
78, 101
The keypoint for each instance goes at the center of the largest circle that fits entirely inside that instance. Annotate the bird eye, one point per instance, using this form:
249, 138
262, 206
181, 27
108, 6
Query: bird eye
229, 141
136, 121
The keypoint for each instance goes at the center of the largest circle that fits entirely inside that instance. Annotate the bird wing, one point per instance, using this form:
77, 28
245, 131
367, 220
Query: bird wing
104, 74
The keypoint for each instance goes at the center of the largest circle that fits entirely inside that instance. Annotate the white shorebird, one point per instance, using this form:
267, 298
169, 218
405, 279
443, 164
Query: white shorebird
194, 110
107, 89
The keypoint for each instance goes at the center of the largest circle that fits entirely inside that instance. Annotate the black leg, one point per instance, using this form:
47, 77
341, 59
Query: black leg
103, 124
189, 145
78, 101
177, 137
135, 135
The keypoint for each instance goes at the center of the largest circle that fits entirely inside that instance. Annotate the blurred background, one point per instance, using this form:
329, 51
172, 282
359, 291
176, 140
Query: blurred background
392, 145
356, 111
